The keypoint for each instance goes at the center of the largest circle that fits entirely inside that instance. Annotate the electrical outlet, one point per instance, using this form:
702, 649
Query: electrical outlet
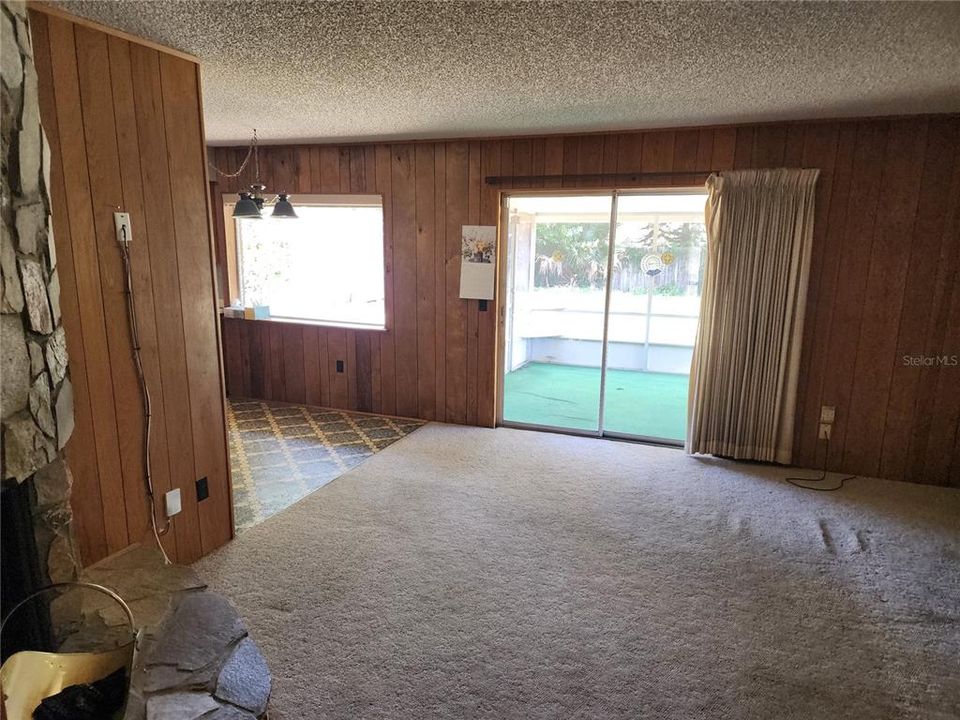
339, 366
824, 432
203, 490
827, 414
121, 221
172, 502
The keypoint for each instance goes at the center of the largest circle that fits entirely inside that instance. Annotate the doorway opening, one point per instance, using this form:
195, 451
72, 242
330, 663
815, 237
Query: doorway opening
601, 304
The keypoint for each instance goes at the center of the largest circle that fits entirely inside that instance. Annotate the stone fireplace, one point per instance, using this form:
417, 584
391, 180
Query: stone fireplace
37, 397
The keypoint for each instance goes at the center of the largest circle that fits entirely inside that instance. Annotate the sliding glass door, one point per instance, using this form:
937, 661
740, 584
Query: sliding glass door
556, 294
602, 293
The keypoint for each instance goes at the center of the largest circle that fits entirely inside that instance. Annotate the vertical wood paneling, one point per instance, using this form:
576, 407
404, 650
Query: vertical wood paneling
81, 449
552, 159
590, 159
103, 165
295, 390
350, 343
829, 148
159, 221
657, 155
879, 181
886, 279
311, 365
388, 357
919, 302
724, 148
440, 279
337, 351
474, 183
182, 114
83, 238
857, 240
130, 177
939, 337
110, 108
487, 331
769, 145
362, 363
405, 311
426, 279
685, 149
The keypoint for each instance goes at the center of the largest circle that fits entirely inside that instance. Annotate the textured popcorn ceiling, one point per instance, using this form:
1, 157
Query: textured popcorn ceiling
374, 70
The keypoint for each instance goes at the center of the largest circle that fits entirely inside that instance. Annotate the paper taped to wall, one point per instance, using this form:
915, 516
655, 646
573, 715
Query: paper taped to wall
478, 253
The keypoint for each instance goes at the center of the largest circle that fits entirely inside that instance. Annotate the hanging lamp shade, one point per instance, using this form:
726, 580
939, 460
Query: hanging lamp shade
282, 208
246, 208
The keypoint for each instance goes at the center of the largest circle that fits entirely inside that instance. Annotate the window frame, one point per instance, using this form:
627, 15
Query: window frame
233, 252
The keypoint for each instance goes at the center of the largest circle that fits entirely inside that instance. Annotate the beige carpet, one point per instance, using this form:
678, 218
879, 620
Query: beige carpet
468, 573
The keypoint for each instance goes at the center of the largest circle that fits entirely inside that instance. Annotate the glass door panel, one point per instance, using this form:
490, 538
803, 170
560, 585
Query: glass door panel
557, 257
659, 256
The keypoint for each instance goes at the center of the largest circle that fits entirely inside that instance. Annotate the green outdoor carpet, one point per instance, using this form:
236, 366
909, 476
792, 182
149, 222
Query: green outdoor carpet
638, 403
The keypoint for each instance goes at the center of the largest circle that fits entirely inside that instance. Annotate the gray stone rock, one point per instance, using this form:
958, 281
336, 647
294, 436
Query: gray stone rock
53, 292
64, 413
35, 296
245, 678
16, 366
31, 152
37, 364
31, 227
52, 484
51, 246
62, 558
12, 301
45, 158
198, 632
229, 712
23, 35
56, 353
167, 677
25, 447
180, 706
10, 62
40, 405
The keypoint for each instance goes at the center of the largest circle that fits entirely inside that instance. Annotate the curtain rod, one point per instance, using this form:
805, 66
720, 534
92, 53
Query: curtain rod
608, 177
629, 177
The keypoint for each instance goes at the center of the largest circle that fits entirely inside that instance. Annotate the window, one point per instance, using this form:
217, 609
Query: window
326, 266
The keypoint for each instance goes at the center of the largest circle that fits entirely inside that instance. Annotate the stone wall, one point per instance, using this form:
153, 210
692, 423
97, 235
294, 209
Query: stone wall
37, 397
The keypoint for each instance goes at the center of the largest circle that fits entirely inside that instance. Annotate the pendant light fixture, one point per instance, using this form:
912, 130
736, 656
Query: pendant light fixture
249, 205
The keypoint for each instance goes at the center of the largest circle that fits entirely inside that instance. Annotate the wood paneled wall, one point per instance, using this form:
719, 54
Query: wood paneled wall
125, 129
883, 280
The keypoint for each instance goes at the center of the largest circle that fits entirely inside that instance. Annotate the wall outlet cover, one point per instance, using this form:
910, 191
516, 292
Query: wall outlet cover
827, 414
172, 502
121, 221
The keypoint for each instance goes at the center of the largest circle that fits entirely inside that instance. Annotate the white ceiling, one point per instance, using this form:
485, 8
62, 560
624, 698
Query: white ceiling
400, 70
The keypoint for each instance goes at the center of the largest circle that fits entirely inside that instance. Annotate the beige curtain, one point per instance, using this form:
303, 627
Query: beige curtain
743, 380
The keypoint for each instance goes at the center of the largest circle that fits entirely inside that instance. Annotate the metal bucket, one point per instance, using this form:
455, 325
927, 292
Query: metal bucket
29, 676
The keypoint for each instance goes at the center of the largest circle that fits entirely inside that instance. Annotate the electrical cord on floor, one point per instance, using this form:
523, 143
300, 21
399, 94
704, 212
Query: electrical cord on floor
145, 395
798, 481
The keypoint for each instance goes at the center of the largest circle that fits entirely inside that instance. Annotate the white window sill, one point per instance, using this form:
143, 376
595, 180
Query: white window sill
314, 323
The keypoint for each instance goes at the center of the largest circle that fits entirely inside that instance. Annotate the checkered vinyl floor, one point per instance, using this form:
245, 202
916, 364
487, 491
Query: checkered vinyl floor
279, 453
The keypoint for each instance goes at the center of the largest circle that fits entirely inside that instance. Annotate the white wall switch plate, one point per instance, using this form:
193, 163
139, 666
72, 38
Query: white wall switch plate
172, 501
121, 221
824, 432
827, 414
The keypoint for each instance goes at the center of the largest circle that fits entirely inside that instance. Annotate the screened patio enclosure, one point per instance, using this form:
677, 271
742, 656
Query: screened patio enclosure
602, 296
